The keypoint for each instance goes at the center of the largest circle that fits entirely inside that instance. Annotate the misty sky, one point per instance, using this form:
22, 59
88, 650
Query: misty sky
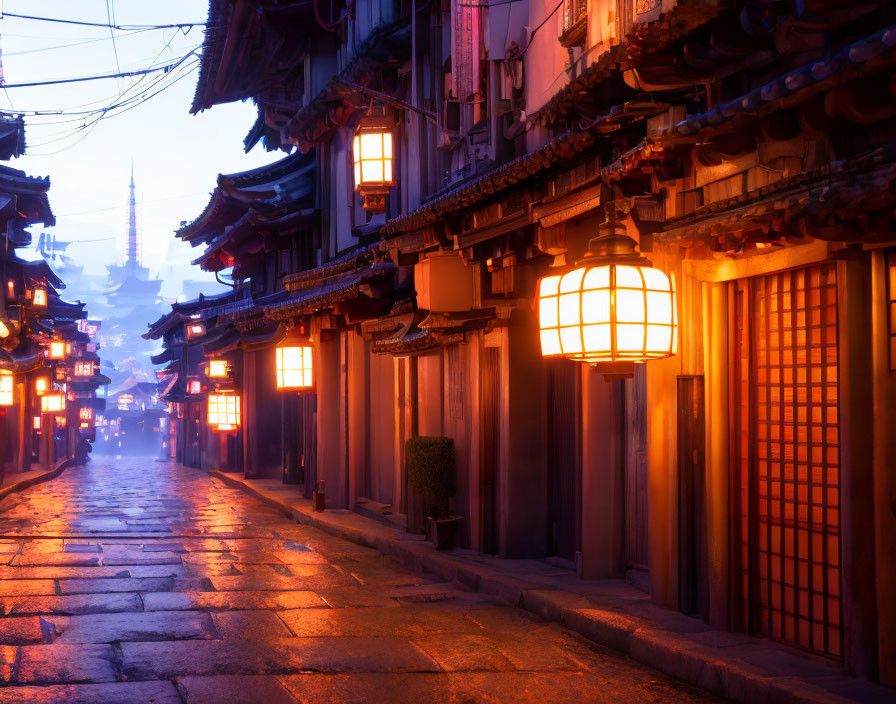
176, 156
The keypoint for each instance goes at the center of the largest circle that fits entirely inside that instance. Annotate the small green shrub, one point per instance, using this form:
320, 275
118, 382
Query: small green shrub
430, 465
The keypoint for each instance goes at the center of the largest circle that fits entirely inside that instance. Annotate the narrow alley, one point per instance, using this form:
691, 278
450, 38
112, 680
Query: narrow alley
135, 580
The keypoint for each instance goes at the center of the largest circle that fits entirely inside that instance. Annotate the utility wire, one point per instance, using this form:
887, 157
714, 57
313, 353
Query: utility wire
110, 15
125, 74
123, 27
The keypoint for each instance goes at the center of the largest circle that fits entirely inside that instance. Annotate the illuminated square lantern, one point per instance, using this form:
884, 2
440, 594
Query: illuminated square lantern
217, 369
83, 368
194, 386
614, 308
223, 411
372, 158
52, 403
41, 385
195, 330
35, 422
56, 350
294, 367
39, 297
6, 388
85, 414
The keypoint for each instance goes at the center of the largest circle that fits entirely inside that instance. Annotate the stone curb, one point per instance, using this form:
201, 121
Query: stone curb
705, 666
20, 486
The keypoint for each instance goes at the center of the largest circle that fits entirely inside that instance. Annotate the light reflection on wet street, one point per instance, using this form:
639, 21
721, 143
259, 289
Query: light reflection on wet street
133, 580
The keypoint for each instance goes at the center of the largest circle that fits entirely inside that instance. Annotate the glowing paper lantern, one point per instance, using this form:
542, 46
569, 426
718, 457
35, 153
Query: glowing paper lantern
372, 158
294, 367
57, 350
41, 385
83, 368
52, 403
615, 307
4, 330
224, 411
195, 330
40, 297
217, 369
35, 422
85, 414
6, 388
194, 387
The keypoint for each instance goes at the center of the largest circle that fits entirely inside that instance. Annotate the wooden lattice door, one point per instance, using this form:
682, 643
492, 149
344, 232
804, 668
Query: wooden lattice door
787, 469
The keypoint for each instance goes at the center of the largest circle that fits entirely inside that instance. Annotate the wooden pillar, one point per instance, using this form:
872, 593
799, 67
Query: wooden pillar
883, 382
856, 476
522, 481
357, 412
329, 454
716, 363
603, 477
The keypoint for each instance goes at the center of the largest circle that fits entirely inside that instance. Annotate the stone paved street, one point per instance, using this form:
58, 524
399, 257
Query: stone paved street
134, 580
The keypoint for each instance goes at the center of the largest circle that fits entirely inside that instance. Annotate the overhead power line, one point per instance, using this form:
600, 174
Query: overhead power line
123, 27
125, 74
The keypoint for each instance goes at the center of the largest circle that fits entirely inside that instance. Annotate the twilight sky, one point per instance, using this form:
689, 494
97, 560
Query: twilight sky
176, 156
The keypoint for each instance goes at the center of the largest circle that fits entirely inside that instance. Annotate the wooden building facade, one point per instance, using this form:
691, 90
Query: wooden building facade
746, 146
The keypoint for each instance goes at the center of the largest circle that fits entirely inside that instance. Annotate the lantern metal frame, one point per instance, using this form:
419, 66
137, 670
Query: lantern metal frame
600, 312
373, 157
294, 365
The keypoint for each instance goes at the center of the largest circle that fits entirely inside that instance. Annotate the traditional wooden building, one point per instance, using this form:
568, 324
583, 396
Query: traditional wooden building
464, 158
48, 362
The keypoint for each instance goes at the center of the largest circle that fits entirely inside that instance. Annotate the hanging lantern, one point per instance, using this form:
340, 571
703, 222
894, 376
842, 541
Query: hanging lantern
56, 350
372, 157
4, 330
194, 386
41, 385
217, 369
39, 298
83, 368
35, 422
615, 308
52, 403
224, 411
85, 413
294, 367
6, 388
195, 330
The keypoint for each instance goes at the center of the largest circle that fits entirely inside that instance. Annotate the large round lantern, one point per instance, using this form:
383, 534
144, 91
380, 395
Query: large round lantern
372, 158
615, 307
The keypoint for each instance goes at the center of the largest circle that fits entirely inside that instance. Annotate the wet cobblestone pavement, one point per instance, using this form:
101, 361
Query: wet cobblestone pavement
133, 580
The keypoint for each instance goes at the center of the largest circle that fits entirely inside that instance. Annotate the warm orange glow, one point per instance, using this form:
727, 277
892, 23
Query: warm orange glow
57, 350
195, 330
608, 313
11, 287
85, 414
294, 367
35, 422
6, 388
41, 385
83, 368
4, 330
40, 297
52, 403
223, 411
372, 153
217, 369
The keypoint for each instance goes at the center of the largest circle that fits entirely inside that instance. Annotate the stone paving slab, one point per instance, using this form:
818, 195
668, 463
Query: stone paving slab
609, 612
234, 601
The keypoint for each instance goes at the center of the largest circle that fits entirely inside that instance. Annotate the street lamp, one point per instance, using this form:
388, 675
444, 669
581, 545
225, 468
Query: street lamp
6, 388
372, 158
615, 307
223, 411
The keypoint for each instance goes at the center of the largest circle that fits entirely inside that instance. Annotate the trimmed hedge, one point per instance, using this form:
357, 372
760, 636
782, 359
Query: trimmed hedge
430, 466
